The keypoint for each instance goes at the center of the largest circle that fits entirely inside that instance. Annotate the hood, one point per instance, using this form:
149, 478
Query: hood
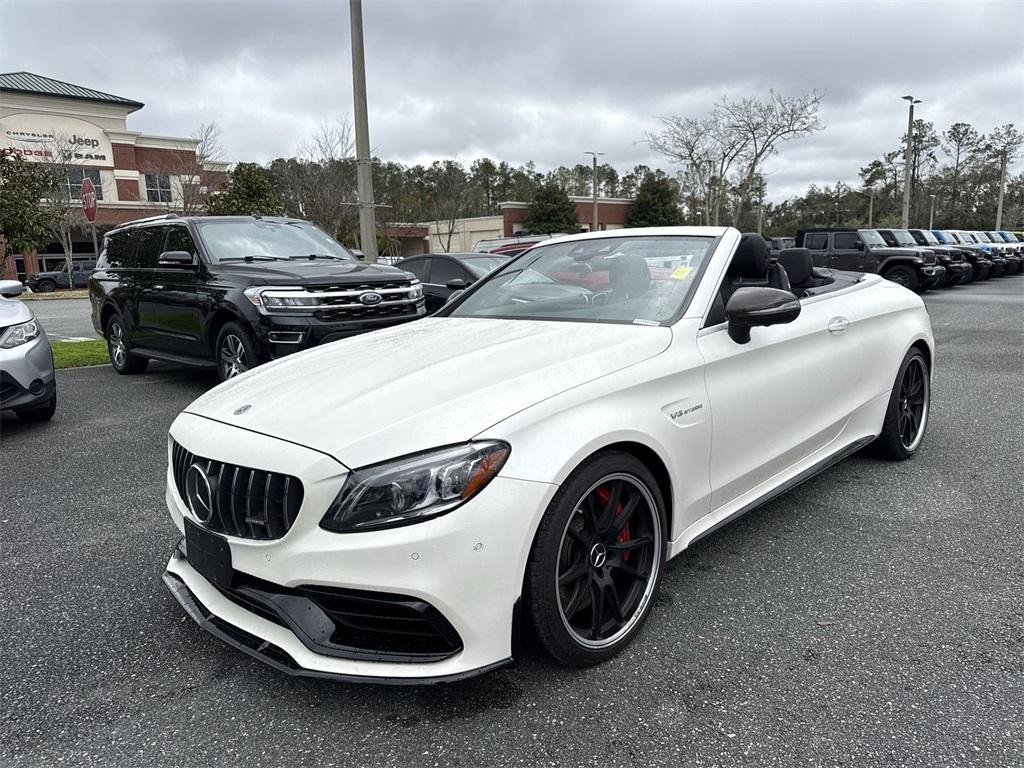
13, 312
310, 272
422, 385
908, 250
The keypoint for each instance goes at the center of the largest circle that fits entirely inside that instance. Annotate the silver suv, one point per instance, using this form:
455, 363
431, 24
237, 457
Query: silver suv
27, 384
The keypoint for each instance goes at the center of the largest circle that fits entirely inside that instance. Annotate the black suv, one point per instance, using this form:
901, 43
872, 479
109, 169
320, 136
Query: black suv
232, 292
864, 250
957, 270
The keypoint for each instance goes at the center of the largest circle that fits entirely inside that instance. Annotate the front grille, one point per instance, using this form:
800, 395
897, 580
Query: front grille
364, 312
248, 503
929, 258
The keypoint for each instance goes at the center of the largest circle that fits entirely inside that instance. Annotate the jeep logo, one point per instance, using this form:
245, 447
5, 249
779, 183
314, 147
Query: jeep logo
370, 298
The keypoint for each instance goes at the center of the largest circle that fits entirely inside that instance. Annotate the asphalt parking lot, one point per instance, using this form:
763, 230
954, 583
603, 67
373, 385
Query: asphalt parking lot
873, 616
64, 318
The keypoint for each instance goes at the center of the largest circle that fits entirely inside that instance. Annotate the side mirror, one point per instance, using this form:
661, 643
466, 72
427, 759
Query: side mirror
11, 288
748, 307
456, 284
860, 245
176, 259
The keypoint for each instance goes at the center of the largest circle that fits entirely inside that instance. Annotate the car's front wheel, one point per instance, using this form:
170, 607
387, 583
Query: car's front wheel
123, 361
236, 352
596, 560
909, 405
46, 286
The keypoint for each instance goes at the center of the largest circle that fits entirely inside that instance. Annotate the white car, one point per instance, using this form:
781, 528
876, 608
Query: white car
399, 506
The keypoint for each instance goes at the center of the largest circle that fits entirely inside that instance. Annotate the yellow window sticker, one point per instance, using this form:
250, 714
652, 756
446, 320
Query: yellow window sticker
681, 273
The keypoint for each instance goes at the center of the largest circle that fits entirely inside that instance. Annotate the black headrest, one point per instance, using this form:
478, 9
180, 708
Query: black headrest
750, 261
629, 274
798, 264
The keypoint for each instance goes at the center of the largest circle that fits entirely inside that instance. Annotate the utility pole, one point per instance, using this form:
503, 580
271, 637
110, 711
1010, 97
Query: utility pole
907, 181
871, 206
760, 206
364, 167
931, 216
1002, 188
593, 222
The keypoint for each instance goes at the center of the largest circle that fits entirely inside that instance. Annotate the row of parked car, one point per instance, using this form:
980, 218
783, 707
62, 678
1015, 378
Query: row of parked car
919, 259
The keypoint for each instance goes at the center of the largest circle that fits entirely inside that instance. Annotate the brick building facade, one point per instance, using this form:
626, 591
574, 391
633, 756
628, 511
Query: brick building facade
135, 174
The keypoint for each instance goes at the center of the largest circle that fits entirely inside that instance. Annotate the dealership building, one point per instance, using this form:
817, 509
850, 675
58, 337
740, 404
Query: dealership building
135, 174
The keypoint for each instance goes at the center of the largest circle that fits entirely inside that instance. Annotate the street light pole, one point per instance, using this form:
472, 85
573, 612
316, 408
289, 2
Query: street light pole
931, 216
906, 161
364, 167
1002, 188
593, 222
871, 206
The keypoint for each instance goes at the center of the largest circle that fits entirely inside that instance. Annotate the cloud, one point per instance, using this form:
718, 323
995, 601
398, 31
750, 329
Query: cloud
540, 81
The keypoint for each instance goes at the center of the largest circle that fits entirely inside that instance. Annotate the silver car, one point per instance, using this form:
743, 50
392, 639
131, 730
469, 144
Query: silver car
27, 384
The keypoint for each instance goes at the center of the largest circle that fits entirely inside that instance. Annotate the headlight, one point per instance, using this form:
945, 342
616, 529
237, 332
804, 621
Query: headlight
918, 260
413, 488
17, 335
417, 291
257, 296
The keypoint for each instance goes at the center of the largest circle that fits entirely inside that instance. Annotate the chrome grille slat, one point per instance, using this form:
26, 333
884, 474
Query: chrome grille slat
251, 503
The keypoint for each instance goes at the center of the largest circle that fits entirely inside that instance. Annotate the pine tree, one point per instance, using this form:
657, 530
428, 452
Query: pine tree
552, 211
250, 191
657, 203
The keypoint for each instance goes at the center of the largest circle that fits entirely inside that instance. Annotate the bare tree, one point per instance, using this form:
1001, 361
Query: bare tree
764, 125
448, 195
733, 135
189, 173
62, 213
959, 141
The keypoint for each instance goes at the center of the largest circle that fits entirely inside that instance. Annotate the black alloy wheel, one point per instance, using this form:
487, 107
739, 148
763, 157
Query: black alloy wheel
46, 286
906, 418
902, 275
597, 560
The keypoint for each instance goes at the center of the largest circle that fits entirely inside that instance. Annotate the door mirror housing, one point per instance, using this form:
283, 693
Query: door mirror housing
181, 259
753, 306
859, 245
11, 288
456, 284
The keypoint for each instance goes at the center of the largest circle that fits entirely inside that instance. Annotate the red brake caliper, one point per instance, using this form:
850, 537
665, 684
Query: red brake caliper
603, 494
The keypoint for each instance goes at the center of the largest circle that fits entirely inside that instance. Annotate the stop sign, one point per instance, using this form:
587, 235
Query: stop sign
89, 200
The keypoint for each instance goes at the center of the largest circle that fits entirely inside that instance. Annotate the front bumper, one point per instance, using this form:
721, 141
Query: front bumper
468, 565
26, 374
933, 275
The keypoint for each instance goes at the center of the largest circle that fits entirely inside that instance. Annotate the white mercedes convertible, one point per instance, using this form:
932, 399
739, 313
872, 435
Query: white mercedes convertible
402, 505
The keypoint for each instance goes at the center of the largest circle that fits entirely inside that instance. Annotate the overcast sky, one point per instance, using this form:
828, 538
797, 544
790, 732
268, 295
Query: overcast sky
544, 81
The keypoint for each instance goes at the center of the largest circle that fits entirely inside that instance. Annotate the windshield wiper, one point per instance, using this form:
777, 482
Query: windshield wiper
312, 256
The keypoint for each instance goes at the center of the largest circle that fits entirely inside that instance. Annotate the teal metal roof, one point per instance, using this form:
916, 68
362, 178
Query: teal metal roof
27, 82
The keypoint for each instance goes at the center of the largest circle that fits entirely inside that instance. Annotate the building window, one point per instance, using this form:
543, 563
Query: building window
75, 178
158, 187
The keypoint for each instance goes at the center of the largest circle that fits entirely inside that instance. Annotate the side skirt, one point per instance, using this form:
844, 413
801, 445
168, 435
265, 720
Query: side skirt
789, 485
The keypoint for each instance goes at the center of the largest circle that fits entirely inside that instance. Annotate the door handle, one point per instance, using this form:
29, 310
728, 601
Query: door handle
838, 324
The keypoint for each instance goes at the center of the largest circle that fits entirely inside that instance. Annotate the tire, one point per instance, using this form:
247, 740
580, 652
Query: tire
902, 275
122, 360
235, 352
40, 412
46, 286
580, 560
906, 417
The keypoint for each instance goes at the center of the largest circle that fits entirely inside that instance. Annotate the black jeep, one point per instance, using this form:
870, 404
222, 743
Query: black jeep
864, 250
232, 292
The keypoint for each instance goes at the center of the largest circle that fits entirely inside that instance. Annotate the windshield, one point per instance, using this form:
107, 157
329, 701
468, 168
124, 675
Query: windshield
966, 237
481, 265
871, 238
903, 238
929, 237
638, 280
995, 237
981, 237
227, 239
